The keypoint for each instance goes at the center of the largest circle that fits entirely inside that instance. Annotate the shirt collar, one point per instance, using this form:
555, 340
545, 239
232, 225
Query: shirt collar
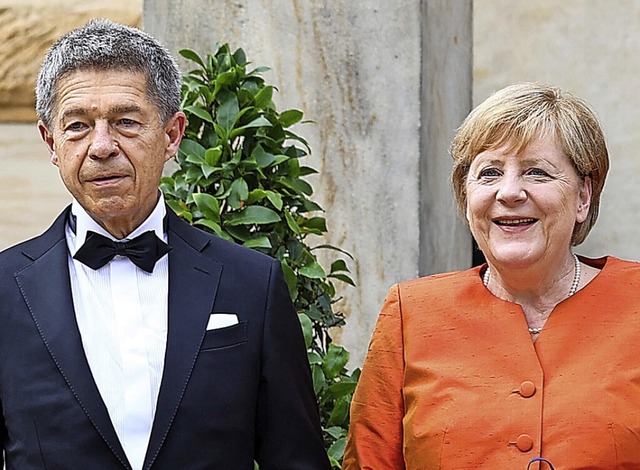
84, 223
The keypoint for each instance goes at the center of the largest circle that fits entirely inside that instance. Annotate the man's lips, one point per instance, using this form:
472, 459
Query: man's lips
105, 179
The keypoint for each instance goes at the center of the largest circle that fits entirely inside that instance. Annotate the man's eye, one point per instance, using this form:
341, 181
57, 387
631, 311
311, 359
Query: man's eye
126, 122
75, 126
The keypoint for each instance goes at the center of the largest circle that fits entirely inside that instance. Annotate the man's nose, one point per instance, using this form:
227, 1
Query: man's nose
103, 142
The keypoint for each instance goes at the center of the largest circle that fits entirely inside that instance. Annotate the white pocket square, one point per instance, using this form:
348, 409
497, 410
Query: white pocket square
221, 320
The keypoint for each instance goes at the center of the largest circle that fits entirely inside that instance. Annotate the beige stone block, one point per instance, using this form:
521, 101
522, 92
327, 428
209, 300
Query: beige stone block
30, 188
28, 28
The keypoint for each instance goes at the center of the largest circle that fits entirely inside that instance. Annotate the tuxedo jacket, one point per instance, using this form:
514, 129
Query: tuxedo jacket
228, 396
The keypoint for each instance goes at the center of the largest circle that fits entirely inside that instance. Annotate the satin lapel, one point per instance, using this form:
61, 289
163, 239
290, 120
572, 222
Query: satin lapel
193, 283
46, 289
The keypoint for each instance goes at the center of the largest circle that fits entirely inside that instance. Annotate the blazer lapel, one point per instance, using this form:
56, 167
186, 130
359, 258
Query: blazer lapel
46, 289
193, 283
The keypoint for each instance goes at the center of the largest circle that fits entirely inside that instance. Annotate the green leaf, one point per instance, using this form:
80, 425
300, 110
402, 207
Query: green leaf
259, 242
344, 278
263, 159
336, 450
192, 56
339, 265
190, 147
225, 78
201, 113
313, 271
257, 122
291, 279
210, 224
240, 57
341, 389
298, 185
307, 329
196, 159
340, 412
227, 111
239, 193
179, 209
334, 361
207, 170
316, 223
258, 70
290, 117
275, 199
332, 247
239, 232
291, 222
212, 156
318, 379
335, 431
314, 357
208, 205
263, 98
258, 215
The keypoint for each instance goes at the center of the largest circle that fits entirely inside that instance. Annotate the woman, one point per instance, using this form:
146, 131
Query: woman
530, 359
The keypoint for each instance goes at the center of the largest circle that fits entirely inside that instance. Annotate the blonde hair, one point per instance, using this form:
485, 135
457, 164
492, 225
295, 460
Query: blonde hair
517, 114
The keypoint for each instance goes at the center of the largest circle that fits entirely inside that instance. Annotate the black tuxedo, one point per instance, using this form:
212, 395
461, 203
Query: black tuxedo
227, 396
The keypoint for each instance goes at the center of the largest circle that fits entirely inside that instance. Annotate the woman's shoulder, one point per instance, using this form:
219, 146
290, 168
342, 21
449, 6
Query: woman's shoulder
438, 284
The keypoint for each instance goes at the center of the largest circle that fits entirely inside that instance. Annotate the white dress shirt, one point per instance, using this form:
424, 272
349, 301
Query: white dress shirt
122, 312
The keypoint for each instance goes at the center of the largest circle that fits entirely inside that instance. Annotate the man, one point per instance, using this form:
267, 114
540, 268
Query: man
168, 349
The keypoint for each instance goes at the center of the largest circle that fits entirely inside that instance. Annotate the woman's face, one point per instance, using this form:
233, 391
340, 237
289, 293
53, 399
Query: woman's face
522, 207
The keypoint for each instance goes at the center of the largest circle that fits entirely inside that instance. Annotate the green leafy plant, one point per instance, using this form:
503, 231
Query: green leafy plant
240, 176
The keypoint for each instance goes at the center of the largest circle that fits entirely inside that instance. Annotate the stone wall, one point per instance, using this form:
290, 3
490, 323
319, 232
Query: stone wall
589, 48
28, 28
381, 126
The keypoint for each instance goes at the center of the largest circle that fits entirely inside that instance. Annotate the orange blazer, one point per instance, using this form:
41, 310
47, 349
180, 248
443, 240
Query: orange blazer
452, 379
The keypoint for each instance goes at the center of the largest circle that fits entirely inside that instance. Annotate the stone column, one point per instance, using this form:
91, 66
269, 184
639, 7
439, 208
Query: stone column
385, 84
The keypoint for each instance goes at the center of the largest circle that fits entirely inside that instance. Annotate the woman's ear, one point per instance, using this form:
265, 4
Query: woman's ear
584, 200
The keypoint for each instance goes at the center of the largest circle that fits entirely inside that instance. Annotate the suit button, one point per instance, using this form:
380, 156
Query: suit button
527, 389
524, 443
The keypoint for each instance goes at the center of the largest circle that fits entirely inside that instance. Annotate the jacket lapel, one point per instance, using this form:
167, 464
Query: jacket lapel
46, 289
193, 283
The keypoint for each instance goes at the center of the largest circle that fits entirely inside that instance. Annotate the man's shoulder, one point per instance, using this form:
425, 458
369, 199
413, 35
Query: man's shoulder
32, 248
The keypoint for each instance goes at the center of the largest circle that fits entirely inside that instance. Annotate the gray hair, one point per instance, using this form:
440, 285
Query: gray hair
104, 45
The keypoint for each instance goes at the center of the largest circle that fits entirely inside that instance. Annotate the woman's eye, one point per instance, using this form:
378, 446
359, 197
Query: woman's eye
537, 172
489, 173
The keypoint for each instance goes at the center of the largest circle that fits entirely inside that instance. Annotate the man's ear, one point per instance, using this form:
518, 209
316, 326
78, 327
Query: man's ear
47, 137
174, 130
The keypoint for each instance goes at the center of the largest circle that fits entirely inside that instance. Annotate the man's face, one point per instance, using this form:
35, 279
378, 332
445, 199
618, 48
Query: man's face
110, 146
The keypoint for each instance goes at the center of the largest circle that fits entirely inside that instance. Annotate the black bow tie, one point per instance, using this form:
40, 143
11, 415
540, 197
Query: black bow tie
143, 251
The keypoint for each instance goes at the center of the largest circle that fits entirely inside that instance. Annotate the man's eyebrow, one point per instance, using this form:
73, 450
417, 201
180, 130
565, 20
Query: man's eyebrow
124, 109
118, 109
71, 112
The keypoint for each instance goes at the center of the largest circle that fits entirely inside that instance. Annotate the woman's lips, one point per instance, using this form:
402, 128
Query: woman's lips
515, 222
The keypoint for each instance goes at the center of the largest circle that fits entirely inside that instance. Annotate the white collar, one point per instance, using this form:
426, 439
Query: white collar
84, 223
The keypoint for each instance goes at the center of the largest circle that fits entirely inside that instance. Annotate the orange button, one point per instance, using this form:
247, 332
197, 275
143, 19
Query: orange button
524, 443
527, 389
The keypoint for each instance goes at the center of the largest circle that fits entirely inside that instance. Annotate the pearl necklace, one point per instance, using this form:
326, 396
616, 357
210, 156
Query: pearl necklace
574, 286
